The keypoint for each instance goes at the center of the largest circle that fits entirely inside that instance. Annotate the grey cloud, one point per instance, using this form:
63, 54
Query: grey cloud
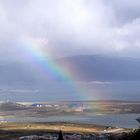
72, 27
125, 10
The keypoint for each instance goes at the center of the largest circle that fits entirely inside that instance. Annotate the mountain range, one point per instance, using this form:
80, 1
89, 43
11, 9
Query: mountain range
86, 68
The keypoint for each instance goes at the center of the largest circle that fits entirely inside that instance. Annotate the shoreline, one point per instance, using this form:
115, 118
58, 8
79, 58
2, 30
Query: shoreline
13, 131
64, 126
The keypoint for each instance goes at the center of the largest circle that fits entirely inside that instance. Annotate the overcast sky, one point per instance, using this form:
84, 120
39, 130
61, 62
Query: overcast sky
71, 27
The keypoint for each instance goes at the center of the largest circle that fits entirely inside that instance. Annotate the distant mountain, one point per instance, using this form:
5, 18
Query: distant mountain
24, 74
86, 68
32, 82
103, 68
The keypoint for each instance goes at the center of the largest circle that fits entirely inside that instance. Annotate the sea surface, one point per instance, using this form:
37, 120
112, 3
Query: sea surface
116, 90
119, 120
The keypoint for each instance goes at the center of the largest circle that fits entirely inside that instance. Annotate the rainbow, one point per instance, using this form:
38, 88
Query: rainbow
46, 65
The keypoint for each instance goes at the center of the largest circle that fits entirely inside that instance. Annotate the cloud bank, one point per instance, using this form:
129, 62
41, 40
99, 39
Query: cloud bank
71, 27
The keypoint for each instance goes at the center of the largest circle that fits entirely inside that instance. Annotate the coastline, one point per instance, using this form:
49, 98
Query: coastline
64, 126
